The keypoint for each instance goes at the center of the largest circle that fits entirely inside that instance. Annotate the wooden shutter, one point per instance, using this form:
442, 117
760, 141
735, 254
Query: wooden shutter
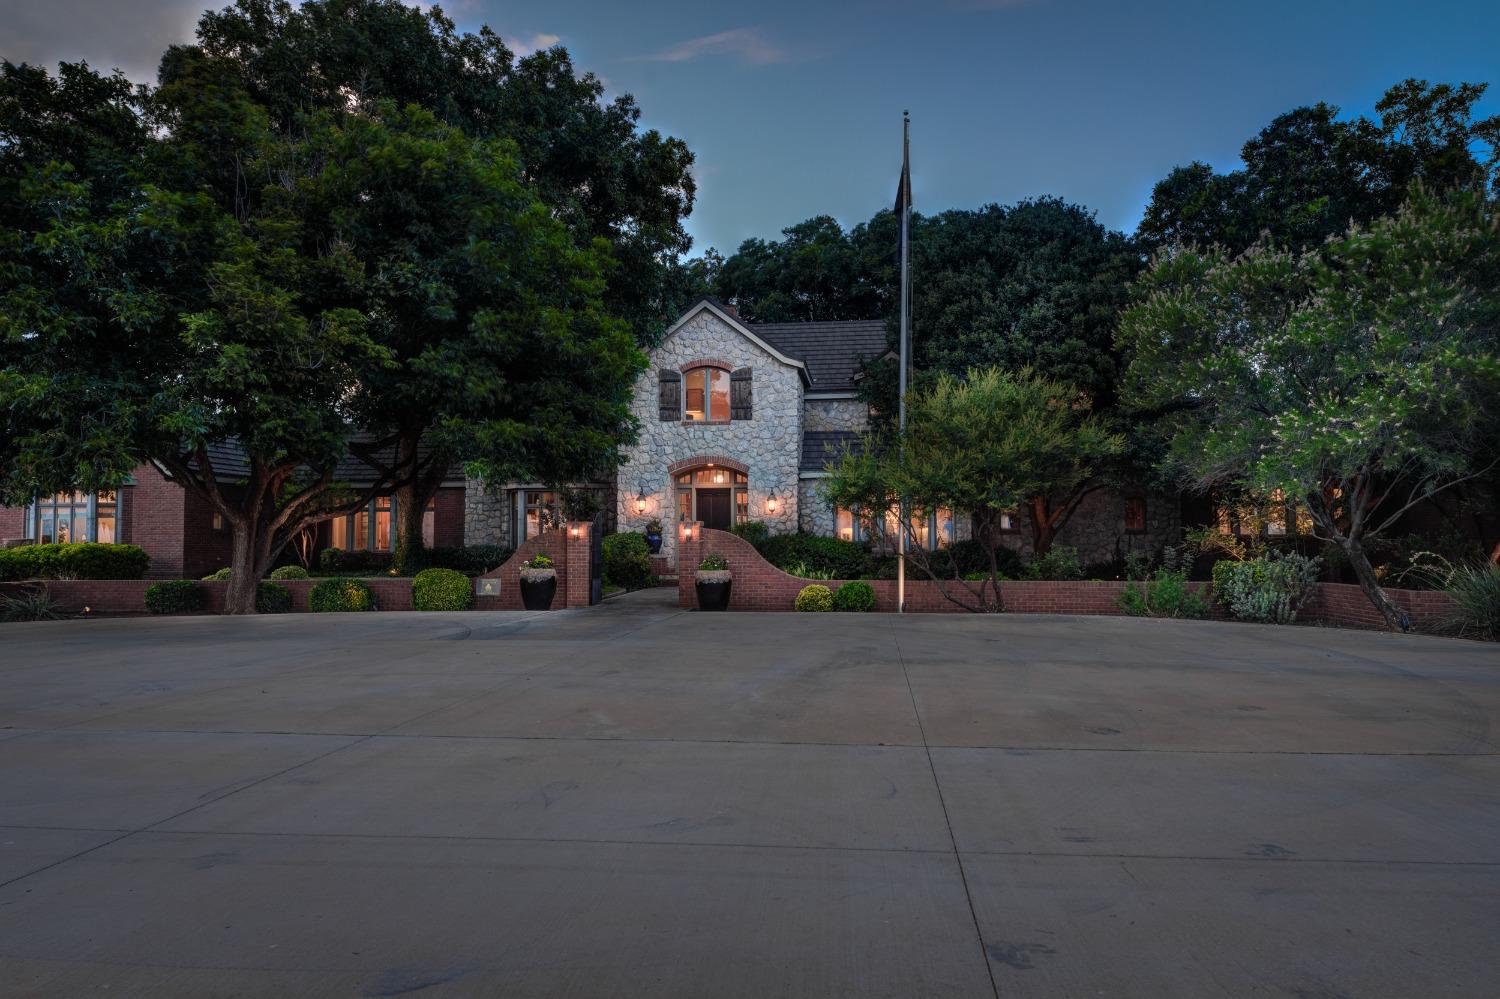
740, 407
669, 394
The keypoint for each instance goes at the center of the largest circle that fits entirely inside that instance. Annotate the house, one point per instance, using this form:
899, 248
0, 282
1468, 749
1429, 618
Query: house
738, 421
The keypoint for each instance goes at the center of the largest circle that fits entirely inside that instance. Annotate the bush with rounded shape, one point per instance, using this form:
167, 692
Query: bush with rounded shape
219, 576
855, 596
271, 598
441, 590
176, 596
289, 572
627, 561
340, 593
815, 597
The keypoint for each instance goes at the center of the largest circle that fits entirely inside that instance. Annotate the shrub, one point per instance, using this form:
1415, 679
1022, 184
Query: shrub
218, 576
714, 563
627, 561
471, 560
855, 596
336, 560
1271, 588
840, 559
969, 557
32, 604
176, 596
441, 590
815, 597
1058, 563
538, 561
289, 572
272, 598
1474, 587
753, 531
804, 571
339, 593
1165, 594
73, 560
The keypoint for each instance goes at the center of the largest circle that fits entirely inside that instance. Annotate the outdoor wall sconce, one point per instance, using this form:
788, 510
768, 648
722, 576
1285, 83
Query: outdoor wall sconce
640, 503
574, 530
771, 503
689, 531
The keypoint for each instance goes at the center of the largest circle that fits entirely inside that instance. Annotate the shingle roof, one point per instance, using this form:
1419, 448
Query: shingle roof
833, 352
820, 447
231, 463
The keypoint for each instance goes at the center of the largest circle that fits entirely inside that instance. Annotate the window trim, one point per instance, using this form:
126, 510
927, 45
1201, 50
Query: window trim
1145, 515
693, 370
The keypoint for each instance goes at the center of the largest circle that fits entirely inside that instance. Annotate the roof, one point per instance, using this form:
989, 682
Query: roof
231, 463
834, 352
821, 447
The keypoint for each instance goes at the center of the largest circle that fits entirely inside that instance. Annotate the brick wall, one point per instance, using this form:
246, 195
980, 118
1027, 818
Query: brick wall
448, 518
12, 524
760, 586
151, 515
204, 550
128, 596
567, 551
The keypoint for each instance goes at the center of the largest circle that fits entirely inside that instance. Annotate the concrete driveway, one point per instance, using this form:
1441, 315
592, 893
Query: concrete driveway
631, 801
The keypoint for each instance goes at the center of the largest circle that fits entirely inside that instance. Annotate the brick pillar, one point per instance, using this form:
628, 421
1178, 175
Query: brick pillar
689, 542
575, 582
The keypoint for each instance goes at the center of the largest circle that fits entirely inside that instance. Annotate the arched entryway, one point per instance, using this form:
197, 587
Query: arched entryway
714, 490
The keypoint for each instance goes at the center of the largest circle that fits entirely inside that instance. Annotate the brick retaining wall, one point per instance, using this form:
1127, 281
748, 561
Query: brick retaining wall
760, 586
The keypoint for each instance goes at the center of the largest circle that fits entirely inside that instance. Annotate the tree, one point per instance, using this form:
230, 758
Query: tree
1308, 175
600, 175
981, 445
1360, 376
817, 273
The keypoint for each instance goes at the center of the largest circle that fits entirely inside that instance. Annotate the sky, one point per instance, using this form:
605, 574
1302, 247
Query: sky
793, 107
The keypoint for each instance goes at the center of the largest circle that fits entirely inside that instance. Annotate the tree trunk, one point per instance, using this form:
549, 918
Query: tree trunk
251, 559
411, 553
1394, 616
1043, 532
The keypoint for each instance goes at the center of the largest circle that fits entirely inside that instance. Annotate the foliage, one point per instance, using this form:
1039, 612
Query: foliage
441, 590
272, 598
289, 572
1165, 594
804, 571
1474, 587
754, 531
176, 596
1360, 377
653, 526
539, 561
1058, 563
815, 553
340, 593
218, 576
337, 561
1308, 174
471, 560
1271, 588
854, 596
30, 604
73, 560
627, 561
714, 563
814, 597
970, 556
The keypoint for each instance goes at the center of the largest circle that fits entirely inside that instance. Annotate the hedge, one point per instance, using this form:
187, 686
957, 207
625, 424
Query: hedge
271, 598
815, 597
441, 590
176, 596
339, 593
337, 561
471, 560
855, 596
73, 560
840, 559
627, 561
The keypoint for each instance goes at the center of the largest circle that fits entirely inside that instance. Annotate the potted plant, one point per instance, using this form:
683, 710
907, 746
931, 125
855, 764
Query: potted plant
538, 583
653, 535
712, 583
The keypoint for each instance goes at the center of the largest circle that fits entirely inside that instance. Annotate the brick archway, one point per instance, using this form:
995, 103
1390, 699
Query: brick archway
703, 460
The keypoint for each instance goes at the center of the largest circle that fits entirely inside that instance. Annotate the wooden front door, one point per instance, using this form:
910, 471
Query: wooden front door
713, 508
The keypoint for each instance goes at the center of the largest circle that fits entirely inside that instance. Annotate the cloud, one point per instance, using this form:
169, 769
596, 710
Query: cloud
129, 34
748, 45
532, 43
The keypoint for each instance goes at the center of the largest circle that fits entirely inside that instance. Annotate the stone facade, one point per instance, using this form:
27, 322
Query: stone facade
835, 414
1097, 528
486, 515
769, 444
816, 515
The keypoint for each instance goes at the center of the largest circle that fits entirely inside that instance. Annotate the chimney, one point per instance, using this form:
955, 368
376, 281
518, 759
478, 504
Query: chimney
733, 310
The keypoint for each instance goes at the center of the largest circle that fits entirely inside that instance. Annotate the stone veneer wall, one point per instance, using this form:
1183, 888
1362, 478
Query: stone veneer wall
815, 515
769, 444
486, 515
835, 414
1097, 528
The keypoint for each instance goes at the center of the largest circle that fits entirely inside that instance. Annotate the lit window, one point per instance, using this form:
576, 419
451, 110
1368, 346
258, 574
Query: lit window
705, 395
1276, 515
539, 513
845, 525
73, 517
1008, 523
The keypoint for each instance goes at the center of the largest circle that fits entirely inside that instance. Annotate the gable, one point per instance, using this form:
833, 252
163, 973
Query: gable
734, 327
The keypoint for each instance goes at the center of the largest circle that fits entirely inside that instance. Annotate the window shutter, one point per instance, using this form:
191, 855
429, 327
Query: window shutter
669, 394
740, 407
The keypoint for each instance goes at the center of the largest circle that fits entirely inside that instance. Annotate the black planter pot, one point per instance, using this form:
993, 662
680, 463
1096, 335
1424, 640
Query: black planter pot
713, 594
536, 594
653, 541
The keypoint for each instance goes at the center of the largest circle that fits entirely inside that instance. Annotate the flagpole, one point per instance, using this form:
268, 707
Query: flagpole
905, 340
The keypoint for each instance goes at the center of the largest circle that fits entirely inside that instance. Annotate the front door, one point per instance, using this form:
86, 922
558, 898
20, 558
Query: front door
713, 508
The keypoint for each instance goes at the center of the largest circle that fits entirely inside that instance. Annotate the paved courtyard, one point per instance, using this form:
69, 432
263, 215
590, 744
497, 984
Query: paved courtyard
632, 801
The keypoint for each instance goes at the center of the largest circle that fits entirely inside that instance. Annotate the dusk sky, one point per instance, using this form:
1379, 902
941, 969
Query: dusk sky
794, 108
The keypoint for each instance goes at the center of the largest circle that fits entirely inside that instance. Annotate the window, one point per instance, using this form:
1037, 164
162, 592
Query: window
930, 531
1008, 522
846, 525
219, 523
706, 395
536, 513
374, 527
1135, 515
74, 517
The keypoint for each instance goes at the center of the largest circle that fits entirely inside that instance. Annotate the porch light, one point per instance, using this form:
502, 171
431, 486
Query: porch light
771, 503
640, 503
573, 530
